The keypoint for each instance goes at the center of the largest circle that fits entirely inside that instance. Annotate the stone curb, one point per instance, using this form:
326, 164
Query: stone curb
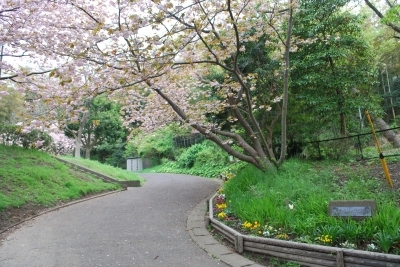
196, 226
125, 184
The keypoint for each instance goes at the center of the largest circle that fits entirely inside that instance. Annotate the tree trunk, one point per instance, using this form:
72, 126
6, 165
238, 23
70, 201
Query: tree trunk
78, 142
78, 138
390, 135
286, 88
87, 152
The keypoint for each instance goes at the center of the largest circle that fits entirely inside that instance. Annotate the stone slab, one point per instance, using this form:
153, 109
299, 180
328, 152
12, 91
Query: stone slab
200, 231
217, 250
195, 224
355, 209
134, 183
236, 260
205, 240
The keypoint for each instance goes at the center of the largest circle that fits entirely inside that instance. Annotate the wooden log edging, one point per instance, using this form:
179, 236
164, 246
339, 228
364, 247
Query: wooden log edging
124, 184
305, 254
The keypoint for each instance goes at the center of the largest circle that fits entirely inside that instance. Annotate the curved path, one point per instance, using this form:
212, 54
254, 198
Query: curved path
143, 226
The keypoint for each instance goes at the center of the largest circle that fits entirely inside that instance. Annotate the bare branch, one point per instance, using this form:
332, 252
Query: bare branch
29, 74
86, 12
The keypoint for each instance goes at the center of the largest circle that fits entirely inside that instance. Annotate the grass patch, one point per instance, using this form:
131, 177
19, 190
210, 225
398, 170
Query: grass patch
113, 172
253, 196
32, 177
210, 169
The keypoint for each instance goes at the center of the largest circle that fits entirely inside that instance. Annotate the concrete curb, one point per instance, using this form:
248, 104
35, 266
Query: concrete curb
196, 226
105, 178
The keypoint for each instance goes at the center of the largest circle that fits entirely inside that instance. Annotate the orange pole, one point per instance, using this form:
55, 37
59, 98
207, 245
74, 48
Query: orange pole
381, 157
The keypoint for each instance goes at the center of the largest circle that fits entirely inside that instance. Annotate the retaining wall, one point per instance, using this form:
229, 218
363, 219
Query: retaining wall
125, 184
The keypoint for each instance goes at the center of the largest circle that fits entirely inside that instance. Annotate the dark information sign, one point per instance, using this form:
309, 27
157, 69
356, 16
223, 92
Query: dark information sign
356, 209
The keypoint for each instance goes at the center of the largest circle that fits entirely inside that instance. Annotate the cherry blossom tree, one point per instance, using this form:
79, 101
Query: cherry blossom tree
156, 57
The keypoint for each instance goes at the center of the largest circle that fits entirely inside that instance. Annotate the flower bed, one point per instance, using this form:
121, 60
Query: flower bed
302, 253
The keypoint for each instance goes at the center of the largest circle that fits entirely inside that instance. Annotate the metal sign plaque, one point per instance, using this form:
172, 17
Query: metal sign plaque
352, 211
355, 209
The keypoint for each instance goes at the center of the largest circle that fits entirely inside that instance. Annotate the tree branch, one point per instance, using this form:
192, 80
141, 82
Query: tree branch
380, 15
29, 74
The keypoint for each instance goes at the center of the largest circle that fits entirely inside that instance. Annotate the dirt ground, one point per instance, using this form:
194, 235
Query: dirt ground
394, 171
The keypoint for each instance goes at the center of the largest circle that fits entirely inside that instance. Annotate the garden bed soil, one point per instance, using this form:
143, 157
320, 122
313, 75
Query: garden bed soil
394, 170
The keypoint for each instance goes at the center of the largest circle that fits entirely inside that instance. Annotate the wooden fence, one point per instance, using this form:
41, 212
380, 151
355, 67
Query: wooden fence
304, 254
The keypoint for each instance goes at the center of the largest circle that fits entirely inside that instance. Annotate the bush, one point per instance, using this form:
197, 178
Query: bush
29, 140
154, 145
188, 157
11, 135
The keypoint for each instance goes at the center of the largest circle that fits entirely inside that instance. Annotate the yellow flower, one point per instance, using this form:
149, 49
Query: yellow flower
221, 206
256, 225
247, 224
222, 215
282, 236
326, 239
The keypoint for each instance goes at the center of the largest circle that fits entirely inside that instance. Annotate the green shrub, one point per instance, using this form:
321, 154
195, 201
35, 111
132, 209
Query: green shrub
188, 156
158, 144
9, 134
12, 135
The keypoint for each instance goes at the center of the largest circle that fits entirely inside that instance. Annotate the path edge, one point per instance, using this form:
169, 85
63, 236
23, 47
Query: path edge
60, 207
197, 228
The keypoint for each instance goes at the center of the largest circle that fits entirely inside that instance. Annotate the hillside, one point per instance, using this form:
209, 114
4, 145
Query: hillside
32, 181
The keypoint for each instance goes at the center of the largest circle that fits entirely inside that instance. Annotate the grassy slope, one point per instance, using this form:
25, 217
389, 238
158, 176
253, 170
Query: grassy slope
35, 178
116, 173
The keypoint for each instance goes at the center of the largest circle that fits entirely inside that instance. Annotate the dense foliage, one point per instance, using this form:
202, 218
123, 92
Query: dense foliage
293, 203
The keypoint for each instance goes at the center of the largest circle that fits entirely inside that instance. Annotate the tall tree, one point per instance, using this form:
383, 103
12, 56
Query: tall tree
111, 44
331, 77
100, 124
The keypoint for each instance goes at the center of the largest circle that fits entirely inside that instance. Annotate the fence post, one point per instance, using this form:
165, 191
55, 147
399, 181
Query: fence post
319, 150
339, 258
239, 244
360, 146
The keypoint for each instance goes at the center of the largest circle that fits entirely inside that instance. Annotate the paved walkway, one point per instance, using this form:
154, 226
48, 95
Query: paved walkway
143, 226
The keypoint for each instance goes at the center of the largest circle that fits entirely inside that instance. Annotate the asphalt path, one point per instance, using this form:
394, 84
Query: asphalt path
143, 226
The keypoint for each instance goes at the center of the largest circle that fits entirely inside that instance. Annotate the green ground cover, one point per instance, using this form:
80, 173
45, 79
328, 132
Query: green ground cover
209, 170
31, 177
292, 204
